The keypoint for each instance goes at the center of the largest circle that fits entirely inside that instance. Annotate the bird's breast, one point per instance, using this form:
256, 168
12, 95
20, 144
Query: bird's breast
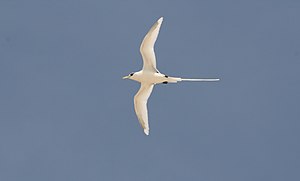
151, 78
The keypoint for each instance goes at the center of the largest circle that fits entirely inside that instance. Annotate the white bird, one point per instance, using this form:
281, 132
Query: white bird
149, 76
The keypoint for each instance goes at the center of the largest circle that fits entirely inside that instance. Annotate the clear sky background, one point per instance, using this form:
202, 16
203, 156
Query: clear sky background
66, 114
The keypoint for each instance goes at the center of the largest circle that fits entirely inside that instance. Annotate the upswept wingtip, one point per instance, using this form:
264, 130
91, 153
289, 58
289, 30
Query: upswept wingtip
160, 19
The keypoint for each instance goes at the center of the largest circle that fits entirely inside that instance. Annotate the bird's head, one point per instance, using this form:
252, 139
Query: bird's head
130, 76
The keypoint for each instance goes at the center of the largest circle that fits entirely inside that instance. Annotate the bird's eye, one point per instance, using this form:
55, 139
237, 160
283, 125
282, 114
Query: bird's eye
131, 74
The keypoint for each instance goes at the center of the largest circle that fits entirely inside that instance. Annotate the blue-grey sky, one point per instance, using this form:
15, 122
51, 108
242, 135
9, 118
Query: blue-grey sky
66, 114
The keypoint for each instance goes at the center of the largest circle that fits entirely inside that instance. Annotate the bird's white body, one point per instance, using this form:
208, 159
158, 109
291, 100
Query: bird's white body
150, 76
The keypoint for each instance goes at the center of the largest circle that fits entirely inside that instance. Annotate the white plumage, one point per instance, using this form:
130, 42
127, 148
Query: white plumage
140, 105
149, 76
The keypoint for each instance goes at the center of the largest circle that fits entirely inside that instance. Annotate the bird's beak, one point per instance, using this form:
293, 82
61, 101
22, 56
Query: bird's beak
126, 77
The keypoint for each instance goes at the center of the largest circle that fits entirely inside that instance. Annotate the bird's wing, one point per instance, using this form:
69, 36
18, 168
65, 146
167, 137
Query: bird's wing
147, 47
140, 105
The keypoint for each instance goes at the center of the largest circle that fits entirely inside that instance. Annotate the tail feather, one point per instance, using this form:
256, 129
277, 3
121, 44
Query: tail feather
177, 79
201, 80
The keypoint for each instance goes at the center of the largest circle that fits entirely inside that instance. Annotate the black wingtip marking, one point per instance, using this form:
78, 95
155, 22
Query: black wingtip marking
165, 82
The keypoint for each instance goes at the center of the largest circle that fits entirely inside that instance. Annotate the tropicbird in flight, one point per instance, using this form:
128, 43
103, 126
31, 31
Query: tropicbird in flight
150, 76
